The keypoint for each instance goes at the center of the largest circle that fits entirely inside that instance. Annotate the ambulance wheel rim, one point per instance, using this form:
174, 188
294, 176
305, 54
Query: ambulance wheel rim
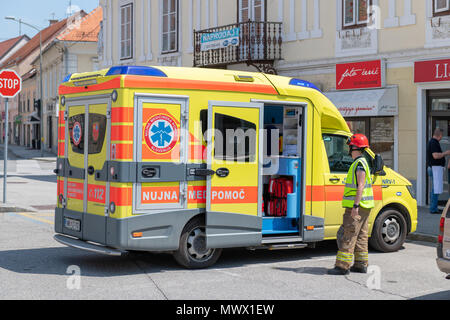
391, 230
196, 245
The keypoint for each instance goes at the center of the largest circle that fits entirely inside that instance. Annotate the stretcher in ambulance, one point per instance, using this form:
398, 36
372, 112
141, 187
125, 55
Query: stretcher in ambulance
192, 161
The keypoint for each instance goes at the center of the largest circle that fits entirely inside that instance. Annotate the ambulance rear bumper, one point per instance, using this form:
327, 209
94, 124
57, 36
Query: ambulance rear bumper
160, 232
83, 245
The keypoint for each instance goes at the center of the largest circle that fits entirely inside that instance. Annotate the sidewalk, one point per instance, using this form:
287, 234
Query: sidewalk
26, 153
427, 225
31, 184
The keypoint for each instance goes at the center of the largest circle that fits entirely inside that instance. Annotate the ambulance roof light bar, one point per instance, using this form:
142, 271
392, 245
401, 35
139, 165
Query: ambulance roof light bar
136, 71
303, 83
67, 78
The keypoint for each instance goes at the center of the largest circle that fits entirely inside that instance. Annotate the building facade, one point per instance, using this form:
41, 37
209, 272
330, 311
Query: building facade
73, 50
21, 62
385, 64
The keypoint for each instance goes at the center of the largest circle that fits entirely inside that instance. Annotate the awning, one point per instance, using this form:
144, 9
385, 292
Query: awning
366, 103
32, 118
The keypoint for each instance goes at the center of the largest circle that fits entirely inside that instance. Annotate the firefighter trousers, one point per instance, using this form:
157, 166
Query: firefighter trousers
352, 240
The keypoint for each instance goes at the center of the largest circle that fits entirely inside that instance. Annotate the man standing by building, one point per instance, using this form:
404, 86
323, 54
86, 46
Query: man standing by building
358, 200
435, 168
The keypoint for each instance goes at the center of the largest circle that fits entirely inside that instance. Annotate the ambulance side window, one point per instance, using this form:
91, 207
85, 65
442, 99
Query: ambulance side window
204, 121
337, 153
235, 139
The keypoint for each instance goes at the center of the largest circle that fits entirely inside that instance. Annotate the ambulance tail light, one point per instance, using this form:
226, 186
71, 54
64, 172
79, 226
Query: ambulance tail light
303, 83
441, 230
136, 71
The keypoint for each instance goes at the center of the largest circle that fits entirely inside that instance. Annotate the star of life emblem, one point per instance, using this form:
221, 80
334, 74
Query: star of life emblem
161, 133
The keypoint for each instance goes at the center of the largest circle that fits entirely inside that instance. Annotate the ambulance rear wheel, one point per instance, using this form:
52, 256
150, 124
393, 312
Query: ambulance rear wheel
389, 231
192, 252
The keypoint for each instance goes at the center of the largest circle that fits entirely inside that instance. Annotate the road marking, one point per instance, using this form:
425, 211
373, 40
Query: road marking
33, 217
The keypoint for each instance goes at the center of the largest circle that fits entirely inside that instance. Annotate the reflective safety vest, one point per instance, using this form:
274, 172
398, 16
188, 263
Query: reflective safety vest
351, 186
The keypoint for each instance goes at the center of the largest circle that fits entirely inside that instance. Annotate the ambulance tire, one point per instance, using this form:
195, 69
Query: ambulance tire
389, 231
192, 252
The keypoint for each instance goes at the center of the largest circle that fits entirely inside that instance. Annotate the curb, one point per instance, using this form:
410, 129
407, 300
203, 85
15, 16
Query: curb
422, 237
12, 208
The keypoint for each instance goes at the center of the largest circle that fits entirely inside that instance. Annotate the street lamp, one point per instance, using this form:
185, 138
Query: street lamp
41, 111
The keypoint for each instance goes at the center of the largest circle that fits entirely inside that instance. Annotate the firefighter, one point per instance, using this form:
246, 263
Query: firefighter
352, 237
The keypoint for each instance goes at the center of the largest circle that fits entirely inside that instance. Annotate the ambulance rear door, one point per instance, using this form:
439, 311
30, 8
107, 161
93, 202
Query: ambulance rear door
86, 152
234, 173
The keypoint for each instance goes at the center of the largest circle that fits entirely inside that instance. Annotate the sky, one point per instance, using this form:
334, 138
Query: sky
37, 13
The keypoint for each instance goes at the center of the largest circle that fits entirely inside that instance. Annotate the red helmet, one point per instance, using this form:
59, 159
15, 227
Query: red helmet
358, 140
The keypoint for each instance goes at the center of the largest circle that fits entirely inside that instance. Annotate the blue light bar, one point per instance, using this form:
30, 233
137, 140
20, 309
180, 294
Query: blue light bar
136, 71
67, 78
303, 83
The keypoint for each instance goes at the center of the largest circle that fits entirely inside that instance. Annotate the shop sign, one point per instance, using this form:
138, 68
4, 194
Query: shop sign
366, 103
432, 71
360, 75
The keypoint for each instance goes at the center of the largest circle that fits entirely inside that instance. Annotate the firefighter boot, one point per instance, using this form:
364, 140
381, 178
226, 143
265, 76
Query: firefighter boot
337, 271
359, 269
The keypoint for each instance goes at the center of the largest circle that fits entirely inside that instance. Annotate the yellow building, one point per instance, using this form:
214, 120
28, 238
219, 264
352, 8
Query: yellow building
385, 64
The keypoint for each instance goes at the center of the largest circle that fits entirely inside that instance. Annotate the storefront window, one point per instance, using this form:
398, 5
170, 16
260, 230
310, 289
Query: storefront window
382, 138
357, 126
380, 132
440, 105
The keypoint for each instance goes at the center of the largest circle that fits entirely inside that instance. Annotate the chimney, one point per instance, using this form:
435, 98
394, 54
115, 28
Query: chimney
52, 21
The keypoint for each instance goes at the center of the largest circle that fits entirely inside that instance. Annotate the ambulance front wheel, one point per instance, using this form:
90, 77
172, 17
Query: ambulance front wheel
389, 231
192, 252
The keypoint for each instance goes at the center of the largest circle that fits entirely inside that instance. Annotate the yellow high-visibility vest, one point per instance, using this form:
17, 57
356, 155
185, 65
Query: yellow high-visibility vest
351, 186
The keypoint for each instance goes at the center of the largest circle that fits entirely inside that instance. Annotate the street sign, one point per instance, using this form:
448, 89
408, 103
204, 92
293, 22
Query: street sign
10, 86
10, 83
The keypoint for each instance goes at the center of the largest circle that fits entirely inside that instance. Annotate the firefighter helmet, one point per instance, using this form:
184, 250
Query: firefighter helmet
358, 140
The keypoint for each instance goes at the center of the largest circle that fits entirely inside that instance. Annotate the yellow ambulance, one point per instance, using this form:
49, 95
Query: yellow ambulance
189, 161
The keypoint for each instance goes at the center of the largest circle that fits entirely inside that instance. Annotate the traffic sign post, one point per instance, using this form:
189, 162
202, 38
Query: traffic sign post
10, 86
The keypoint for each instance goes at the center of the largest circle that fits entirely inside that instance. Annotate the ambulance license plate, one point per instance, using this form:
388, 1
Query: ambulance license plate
72, 224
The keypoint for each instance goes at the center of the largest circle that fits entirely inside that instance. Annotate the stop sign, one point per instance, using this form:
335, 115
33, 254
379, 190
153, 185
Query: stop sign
10, 83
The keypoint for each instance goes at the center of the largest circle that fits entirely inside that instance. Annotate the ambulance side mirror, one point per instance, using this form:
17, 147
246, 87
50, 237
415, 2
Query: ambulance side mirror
378, 165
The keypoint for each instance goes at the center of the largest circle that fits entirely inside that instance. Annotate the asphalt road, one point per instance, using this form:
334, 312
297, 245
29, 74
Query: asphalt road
34, 266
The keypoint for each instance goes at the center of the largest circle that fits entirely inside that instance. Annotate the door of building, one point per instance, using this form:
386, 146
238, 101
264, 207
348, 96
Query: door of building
439, 117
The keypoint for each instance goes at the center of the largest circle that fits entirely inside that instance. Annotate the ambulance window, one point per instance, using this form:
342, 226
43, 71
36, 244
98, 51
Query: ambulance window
76, 132
337, 152
97, 131
204, 121
235, 139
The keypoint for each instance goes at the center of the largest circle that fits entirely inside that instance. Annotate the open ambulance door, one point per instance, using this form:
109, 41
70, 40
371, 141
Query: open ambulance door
234, 173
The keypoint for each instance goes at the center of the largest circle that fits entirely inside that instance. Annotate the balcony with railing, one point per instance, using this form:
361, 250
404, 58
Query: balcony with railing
256, 43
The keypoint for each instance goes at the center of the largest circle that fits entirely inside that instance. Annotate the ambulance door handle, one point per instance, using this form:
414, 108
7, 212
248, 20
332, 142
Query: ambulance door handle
91, 170
335, 180
202, 172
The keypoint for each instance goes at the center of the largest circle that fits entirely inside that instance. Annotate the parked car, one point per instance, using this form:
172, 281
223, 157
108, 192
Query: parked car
443, 247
